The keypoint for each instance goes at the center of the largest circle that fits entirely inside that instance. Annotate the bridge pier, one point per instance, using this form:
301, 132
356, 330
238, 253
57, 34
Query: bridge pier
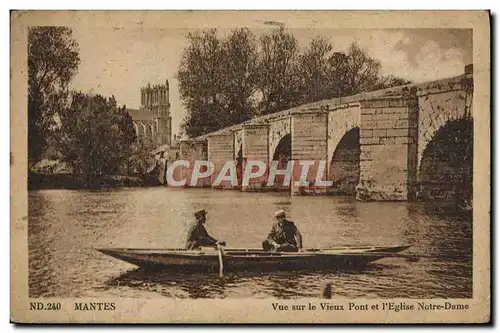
191, 151
388, 140
394, 133
221, 154
309, 146
255, 140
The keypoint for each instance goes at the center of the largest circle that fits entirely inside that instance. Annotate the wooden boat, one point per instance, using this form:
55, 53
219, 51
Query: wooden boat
208, 259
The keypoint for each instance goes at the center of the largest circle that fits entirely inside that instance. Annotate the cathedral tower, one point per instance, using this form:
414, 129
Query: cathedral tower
156, 104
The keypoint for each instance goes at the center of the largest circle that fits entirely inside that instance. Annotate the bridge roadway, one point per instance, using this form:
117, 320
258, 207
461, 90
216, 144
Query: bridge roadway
373, 143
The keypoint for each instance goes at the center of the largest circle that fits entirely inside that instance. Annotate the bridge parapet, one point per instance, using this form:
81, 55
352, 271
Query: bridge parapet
394, 127
460, 82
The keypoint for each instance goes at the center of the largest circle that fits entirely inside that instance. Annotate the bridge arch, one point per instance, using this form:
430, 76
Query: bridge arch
238, 154
282, 153
238, 143
239, 162
445, 147
283, 150
446, 167
344, 167
435, 111
278, 130
340, 122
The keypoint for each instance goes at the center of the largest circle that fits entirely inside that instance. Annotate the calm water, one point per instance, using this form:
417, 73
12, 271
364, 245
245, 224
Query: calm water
65, 227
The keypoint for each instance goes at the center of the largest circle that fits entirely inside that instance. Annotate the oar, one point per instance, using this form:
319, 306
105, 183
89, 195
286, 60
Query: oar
221, 261
409, 257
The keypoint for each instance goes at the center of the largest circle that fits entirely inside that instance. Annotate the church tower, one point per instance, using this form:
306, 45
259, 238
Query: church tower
156, 103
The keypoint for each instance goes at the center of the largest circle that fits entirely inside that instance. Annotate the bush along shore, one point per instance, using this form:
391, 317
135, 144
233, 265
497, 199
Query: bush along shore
38, 181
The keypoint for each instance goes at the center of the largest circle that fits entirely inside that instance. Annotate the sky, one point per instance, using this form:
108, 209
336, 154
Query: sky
118, 59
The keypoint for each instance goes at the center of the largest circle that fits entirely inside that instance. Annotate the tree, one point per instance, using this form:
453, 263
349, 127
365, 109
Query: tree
328, 75
355, 71
279, 79
95, 136
224, 81
390, 81
218, 80
201, 83
129, 136
52, 62
315, 72
240, 74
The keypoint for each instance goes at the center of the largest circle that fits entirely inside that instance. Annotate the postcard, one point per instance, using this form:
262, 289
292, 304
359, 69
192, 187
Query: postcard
250, 167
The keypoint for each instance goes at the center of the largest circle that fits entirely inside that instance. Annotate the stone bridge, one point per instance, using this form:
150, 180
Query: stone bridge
402, 143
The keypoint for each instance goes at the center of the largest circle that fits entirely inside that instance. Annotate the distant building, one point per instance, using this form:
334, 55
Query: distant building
175, 148
152, 121
170, 152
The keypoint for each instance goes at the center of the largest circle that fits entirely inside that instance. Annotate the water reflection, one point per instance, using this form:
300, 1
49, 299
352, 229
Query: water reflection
65, 227
210, 285
195, 285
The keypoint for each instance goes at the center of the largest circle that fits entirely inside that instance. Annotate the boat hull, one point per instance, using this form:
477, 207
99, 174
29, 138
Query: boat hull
252, 259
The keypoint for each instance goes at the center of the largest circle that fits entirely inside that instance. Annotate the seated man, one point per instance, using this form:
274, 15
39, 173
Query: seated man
198, 235
284, 235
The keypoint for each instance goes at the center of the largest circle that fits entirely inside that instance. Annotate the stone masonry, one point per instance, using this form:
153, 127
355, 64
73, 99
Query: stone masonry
191, 151
395, 126
221, 150
388, 135
255, 139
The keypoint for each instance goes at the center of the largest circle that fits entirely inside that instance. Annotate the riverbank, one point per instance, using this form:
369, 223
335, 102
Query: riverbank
37, 181
66, 226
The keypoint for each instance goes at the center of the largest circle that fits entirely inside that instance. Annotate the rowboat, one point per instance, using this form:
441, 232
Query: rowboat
234, 259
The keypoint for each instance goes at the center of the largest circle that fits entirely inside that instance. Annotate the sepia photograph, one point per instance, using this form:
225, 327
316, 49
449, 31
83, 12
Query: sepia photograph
269, 156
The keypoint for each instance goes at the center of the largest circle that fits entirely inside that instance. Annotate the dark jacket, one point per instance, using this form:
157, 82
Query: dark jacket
285, 232
198, 236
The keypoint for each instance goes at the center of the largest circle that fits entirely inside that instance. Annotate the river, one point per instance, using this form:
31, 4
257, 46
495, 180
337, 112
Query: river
65, 227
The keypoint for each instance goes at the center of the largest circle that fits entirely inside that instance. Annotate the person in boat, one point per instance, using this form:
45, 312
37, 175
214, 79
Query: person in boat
284, 235
198, 235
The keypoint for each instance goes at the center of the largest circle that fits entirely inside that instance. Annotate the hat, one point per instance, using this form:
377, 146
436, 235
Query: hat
200, 213
279, 212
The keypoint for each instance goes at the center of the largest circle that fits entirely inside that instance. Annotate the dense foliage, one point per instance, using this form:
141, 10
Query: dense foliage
52, 62
224, 81
95, 136
90, 133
